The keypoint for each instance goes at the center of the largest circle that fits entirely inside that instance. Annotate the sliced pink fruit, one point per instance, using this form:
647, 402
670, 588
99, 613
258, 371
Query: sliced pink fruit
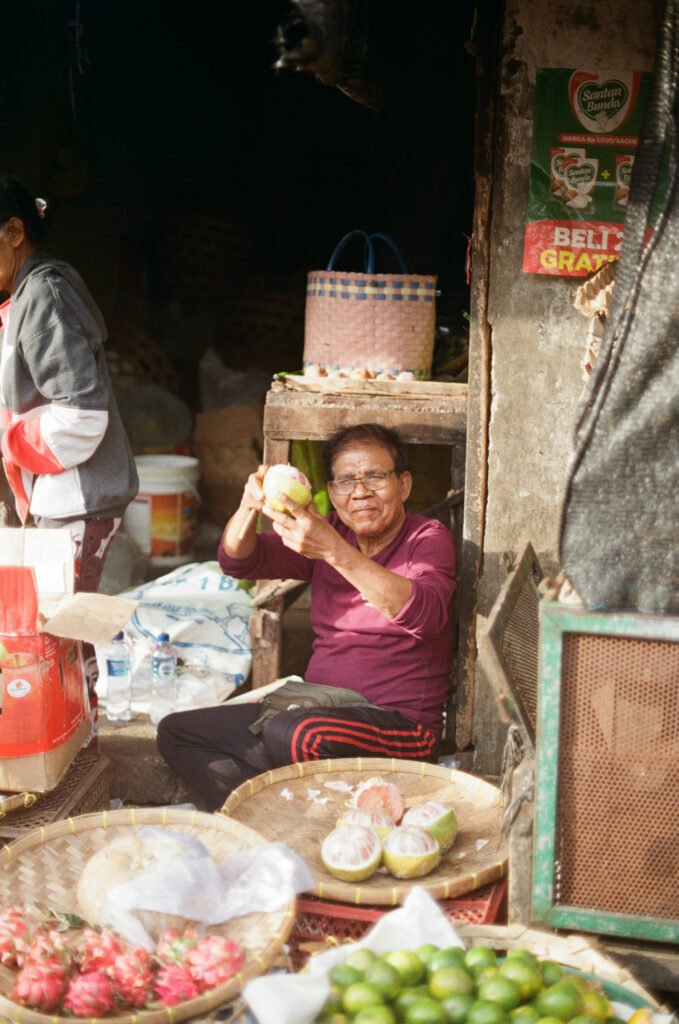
377, 795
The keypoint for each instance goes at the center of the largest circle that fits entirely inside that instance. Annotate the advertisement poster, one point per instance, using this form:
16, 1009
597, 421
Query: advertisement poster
585, 135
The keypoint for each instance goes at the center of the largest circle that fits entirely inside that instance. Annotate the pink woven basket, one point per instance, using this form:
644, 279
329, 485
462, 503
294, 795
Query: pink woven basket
368, 321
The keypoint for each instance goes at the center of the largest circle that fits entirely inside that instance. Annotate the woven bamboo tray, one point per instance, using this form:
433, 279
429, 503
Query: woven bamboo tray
302, 820
43, 869
16, 801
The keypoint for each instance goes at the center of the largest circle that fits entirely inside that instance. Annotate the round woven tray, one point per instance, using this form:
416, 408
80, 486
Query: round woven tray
298, 805
43, 869
16, 801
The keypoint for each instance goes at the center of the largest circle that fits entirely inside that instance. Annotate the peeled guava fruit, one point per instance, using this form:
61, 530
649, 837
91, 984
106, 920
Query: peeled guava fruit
351, 853
285, 479
410, 852
378, 821
436, 818
377, 795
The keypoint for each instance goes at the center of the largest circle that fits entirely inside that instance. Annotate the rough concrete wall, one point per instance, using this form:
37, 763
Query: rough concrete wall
537, 336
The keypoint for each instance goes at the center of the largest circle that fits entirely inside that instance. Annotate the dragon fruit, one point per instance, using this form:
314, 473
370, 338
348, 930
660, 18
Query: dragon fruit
132, 975
89, 995
172, 948
47, 944
97, 951
40, 984
13, 936
174, 984
213, 961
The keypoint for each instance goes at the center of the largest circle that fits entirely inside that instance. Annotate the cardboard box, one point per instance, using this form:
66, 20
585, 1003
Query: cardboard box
44, 707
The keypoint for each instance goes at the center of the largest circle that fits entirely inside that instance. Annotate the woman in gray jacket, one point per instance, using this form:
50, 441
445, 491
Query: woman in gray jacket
64, 449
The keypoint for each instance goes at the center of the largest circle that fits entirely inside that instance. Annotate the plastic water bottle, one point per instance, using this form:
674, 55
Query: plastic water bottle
163, 678
118, 680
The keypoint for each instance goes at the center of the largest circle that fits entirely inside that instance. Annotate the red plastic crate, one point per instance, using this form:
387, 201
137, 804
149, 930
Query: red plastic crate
324, 921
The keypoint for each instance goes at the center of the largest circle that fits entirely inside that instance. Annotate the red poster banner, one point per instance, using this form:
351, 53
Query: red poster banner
570, 247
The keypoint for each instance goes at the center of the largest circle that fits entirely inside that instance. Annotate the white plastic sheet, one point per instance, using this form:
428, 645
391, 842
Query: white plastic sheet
193, 885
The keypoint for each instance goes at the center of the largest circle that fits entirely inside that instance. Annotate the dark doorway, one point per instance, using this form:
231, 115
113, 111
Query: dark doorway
194, 186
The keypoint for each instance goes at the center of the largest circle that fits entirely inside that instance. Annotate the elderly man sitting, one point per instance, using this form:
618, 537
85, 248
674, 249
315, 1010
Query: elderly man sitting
382, 585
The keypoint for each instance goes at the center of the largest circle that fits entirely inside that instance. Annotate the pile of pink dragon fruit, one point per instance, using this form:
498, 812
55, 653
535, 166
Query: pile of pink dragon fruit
89, 972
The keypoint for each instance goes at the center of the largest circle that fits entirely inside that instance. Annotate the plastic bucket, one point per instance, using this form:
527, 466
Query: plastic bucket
162, 518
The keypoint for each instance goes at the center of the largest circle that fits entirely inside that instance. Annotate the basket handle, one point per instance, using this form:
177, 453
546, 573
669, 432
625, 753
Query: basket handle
368, 257
392, 245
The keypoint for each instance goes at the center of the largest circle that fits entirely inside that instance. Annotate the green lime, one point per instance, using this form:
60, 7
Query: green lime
500, 990
594, 1004
406, 997
334, 1018
408, 964
450, 980
549, 1020
551, 972
361, 959
577, 979
451, 956
456, 1006
425, 1011
522, 954
375, 1015
527, 976
385, 977
333, 1004
484, 973
342, 975
585, 1018
524, 1014
483, 1012
427, 951
359, 995
478, 957
563, 1000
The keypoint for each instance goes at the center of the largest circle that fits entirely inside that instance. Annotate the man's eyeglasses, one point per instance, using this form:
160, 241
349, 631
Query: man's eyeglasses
375, 481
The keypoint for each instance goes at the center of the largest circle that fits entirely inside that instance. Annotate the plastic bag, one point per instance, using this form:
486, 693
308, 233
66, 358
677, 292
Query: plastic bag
262, 878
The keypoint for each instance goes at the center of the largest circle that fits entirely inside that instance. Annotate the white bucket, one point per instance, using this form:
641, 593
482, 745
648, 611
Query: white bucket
162, 518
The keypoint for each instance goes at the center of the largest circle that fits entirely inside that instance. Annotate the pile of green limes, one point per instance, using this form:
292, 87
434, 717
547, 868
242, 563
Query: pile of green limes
456, 986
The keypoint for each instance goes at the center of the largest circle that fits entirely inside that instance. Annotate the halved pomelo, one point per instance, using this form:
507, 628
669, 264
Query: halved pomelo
377, 795
351, 853
436, 818
378, 821
410, 852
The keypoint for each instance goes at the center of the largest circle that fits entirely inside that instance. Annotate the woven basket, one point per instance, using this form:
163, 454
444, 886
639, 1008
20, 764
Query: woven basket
43, 869
287, 804
369, 321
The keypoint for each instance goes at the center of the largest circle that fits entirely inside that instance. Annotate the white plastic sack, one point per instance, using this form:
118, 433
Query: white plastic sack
194, 886
206, 616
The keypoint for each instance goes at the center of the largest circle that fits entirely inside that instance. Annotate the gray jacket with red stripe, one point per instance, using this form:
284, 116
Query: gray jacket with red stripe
64, 447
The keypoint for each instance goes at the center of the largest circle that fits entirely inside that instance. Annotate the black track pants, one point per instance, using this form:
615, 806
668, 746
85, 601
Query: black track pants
213, 750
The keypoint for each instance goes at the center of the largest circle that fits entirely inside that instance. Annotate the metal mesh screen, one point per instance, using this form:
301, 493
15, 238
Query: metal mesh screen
520, 646
510, 645
617, 838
